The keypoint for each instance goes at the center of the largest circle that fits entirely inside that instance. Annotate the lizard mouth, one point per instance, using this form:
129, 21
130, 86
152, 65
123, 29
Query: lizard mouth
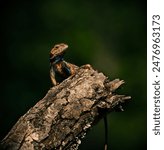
65, 46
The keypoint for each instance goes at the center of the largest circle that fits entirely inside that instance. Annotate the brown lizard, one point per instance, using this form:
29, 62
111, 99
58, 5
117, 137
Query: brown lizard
58, 66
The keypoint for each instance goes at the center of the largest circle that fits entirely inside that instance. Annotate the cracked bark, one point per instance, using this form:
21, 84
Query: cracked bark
62, 118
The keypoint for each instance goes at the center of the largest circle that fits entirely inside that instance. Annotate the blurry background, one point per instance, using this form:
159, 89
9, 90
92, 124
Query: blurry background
108, 34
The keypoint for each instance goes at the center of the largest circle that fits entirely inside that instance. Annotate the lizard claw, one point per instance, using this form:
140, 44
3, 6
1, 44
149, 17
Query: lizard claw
87, 66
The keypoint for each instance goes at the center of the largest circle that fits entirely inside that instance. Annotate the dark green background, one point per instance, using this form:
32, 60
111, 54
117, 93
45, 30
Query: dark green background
110, 35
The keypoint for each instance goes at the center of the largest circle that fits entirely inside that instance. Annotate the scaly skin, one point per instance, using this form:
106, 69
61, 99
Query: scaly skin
58, 65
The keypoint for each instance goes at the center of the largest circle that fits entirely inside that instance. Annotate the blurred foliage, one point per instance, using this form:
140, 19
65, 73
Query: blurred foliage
108, 34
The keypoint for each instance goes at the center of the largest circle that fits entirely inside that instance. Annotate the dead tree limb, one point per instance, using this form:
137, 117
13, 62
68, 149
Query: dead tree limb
61, 119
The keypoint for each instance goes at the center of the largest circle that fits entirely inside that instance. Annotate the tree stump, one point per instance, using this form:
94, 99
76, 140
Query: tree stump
62, 118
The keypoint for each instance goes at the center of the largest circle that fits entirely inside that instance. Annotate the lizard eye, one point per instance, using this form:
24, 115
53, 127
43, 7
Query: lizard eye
56, 47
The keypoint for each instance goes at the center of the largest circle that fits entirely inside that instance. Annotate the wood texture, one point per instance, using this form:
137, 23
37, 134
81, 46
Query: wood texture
62, 118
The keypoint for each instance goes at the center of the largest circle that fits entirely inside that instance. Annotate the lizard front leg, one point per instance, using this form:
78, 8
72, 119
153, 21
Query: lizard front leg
52, 75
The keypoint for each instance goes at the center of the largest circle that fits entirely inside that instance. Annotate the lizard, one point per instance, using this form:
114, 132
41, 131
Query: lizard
58, 66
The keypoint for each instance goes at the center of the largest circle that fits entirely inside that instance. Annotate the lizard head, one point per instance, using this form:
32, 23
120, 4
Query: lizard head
58, 51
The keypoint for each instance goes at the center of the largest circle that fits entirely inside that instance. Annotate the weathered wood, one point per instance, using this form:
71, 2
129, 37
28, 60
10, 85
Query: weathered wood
62, 118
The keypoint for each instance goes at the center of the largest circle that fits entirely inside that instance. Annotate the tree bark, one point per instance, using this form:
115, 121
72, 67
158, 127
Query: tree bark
62, 118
